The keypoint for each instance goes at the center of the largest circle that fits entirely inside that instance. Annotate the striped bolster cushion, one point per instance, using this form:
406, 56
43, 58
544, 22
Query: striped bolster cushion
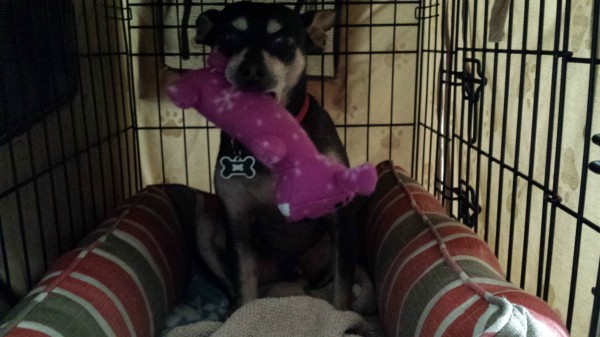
434, 276
120, 281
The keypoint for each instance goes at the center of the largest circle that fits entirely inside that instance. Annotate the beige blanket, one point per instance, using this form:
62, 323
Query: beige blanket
285, 316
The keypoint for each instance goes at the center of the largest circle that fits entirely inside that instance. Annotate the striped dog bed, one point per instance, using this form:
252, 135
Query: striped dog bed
435, 277
121, 281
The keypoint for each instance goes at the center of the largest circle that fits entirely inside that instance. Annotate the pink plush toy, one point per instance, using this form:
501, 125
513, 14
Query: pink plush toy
309, 185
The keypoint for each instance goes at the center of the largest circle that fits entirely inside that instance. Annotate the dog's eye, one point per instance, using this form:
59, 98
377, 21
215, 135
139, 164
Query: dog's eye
284, 48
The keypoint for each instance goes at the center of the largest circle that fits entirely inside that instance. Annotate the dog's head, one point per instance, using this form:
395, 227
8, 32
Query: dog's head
266, 43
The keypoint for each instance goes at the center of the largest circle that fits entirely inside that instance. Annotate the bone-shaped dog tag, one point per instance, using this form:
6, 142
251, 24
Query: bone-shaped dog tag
237, 166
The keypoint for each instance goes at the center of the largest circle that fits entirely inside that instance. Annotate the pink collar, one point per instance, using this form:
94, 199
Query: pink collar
304, 110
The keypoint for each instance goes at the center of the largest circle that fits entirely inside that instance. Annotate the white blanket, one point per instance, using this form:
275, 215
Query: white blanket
279, 317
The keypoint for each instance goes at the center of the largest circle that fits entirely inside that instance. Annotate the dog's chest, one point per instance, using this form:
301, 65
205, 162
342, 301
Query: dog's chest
254, 198
246, 193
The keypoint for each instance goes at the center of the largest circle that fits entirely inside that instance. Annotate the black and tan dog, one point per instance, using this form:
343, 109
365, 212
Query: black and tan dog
267, 46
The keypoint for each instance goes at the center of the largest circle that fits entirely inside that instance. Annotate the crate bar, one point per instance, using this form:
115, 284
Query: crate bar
369, 78
77, 64
504, 126
105, 99
180, 27
121, 197
19, 213
423, 91
446, 61
595, 61
464, 105
548, 165
586, 158
38, 205
88, 146
352, 25
19, 200
95, 111
434, 94
63, 154
534, 126
417, 100
471, 107
346, 44
92, 54
525, 177
436, 97
372, 52
390, 144
183, 121
286, 3
322, 56
39, 174
510, 51
595, 322
51, 175
207, 123
6, 279
455, 36
29, 126
450, 105
477, 112
557, 155
122, 82
210, 127
208, 154
23, 235
427, 62
156, 39
322, 79
513, 202
491, 147
481, 113
126, 26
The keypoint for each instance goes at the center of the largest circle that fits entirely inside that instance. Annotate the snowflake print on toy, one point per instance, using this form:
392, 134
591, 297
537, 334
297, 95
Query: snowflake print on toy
309, 184
225, 102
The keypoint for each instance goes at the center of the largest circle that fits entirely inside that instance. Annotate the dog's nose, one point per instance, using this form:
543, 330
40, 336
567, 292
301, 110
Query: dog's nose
252, 73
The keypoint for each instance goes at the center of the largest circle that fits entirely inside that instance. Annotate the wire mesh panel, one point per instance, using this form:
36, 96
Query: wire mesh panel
500, 131
369, 95
66, 163
503, 137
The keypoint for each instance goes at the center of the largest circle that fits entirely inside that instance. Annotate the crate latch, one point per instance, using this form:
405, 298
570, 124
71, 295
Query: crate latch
468, 208
473, 80
426, 12
594, 166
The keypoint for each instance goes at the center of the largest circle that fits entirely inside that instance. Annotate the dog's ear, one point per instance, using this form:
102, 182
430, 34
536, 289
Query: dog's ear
205, 24
317, 23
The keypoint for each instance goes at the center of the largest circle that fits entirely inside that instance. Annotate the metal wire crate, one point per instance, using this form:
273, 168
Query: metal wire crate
500, 132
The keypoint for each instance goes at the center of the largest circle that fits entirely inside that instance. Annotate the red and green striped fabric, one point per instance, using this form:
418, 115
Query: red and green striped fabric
121, 281
434, 276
